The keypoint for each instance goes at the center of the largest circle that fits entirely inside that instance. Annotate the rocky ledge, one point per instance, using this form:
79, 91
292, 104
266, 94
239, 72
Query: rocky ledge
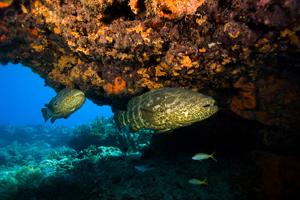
244, 53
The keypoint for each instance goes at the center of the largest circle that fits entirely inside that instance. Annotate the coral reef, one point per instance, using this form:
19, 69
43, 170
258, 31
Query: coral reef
56, 135
117, 87
37, 166
174, 9
103, 132
243, 53
92, 174
116, 49
99, 132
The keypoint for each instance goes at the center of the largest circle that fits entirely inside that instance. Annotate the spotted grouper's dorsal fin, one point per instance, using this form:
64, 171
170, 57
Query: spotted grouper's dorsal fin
146, 109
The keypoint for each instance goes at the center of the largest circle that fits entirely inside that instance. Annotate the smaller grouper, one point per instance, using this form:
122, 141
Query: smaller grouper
166, 109
66, 102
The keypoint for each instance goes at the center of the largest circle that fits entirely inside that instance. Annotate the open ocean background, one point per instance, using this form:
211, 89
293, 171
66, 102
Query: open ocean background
23, 94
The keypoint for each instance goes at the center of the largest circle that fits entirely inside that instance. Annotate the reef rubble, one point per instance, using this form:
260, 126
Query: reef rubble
244, 53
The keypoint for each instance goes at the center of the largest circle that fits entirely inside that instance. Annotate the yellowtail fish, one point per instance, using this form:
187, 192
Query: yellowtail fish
143, 168
195, 181
204, 156
66, 102
166, 109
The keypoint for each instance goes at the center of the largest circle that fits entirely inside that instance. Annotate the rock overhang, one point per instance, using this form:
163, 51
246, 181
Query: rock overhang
243, 53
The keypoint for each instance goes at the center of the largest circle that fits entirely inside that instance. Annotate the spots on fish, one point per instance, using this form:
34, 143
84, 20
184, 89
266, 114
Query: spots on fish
166, 109
63, 104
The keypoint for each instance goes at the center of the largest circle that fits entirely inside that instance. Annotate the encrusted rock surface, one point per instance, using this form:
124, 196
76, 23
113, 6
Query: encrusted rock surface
244, 53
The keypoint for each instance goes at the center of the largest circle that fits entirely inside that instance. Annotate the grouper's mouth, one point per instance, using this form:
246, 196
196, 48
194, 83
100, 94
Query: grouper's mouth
214, 109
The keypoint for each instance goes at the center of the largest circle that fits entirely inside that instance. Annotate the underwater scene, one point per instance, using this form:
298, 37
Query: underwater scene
149, 99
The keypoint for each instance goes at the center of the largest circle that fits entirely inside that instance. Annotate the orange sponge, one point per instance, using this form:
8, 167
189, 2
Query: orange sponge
116, 87
5, 3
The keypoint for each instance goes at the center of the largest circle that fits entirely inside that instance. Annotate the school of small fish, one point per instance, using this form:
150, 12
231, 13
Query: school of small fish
200, 157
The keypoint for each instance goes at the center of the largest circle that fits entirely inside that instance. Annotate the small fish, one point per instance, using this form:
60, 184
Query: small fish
195, 181
143, 168
66, 102
165, 109
203, 156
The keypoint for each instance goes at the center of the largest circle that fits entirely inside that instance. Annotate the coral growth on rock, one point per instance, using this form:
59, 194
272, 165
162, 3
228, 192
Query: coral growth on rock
117, 87
5, 3
277, 104
116, 49
174, 9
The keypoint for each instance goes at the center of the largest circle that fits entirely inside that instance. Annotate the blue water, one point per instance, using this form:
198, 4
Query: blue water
23, 94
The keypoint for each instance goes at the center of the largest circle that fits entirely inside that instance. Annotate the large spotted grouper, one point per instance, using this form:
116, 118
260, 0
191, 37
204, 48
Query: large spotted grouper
165, 109
66, 102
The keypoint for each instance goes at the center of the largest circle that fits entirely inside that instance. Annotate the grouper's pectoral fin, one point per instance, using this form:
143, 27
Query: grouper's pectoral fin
67, 116
133, 129
149, 110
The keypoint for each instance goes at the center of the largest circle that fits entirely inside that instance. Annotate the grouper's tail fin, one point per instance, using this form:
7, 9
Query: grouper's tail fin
46, 113
120, 119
